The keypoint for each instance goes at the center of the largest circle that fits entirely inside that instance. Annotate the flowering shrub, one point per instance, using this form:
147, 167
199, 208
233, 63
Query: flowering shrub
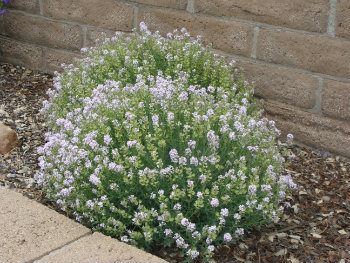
153, 140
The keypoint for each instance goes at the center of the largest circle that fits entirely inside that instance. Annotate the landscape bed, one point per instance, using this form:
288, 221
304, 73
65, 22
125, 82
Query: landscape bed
315, 227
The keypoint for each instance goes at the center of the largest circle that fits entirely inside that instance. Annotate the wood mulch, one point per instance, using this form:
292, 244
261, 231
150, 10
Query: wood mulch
316, 228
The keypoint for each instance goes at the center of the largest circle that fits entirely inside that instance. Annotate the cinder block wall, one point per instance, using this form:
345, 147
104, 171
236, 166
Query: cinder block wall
297, 52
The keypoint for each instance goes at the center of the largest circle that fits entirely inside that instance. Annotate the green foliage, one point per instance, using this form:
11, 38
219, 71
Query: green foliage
155, 141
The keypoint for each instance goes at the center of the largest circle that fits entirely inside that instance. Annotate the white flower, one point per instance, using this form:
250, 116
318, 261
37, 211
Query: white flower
224, 212
191, 144
184, 221
182, 160
194, 161
227, 237
211, 248
124, 239
171, 116
237, 216
143, 26
177, 207
192, 253
252, 189
168, 232
241, 208
214, 202
155, 120
107, 139
199, 194
94, 179
174, 156
131, 143
240, 231
211, 89
203, 178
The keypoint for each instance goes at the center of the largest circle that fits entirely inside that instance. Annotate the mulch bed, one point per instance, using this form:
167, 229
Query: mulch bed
316, 228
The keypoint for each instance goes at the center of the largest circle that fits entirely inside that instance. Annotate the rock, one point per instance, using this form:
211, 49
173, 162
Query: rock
8, 139
281, 235
282, 252
295, 241
271, 237
343, 232
326, 198
3, 113
315, 235
294, 237
243, 246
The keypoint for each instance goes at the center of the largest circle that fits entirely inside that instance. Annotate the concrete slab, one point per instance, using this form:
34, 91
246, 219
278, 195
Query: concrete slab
29, 230
101, 249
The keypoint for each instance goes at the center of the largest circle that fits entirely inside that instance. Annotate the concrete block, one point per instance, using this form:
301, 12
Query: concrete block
311, 129
336, 99
108, 14
281, 85
297, 14
29, 230
43, 31
21, 53
30, 6
177, 4
343, 19
314, 53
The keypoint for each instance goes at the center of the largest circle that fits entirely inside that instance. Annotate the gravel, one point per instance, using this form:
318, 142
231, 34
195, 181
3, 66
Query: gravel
21, 94
316, 228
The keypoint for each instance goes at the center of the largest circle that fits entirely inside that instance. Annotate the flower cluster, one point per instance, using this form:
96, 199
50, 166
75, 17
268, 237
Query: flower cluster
153, 140
2, 3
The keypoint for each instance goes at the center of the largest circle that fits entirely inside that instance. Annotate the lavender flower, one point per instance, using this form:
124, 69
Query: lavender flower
194, 161
224, 212
227, 237
214, 202
94, 179
174, 156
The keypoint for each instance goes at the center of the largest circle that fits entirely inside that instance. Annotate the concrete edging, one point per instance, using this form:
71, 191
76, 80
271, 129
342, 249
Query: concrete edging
31, 232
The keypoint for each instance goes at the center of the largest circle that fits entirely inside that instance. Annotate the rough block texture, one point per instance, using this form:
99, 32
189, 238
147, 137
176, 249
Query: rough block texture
43, 31
311, 129
343, 18
8, 139
30, 6
281, 85
21, 53
102, 249
233, 37
178, 4
54, 58
336, 99
298, 14
318, 54
29, 230
93, 35
107, 14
